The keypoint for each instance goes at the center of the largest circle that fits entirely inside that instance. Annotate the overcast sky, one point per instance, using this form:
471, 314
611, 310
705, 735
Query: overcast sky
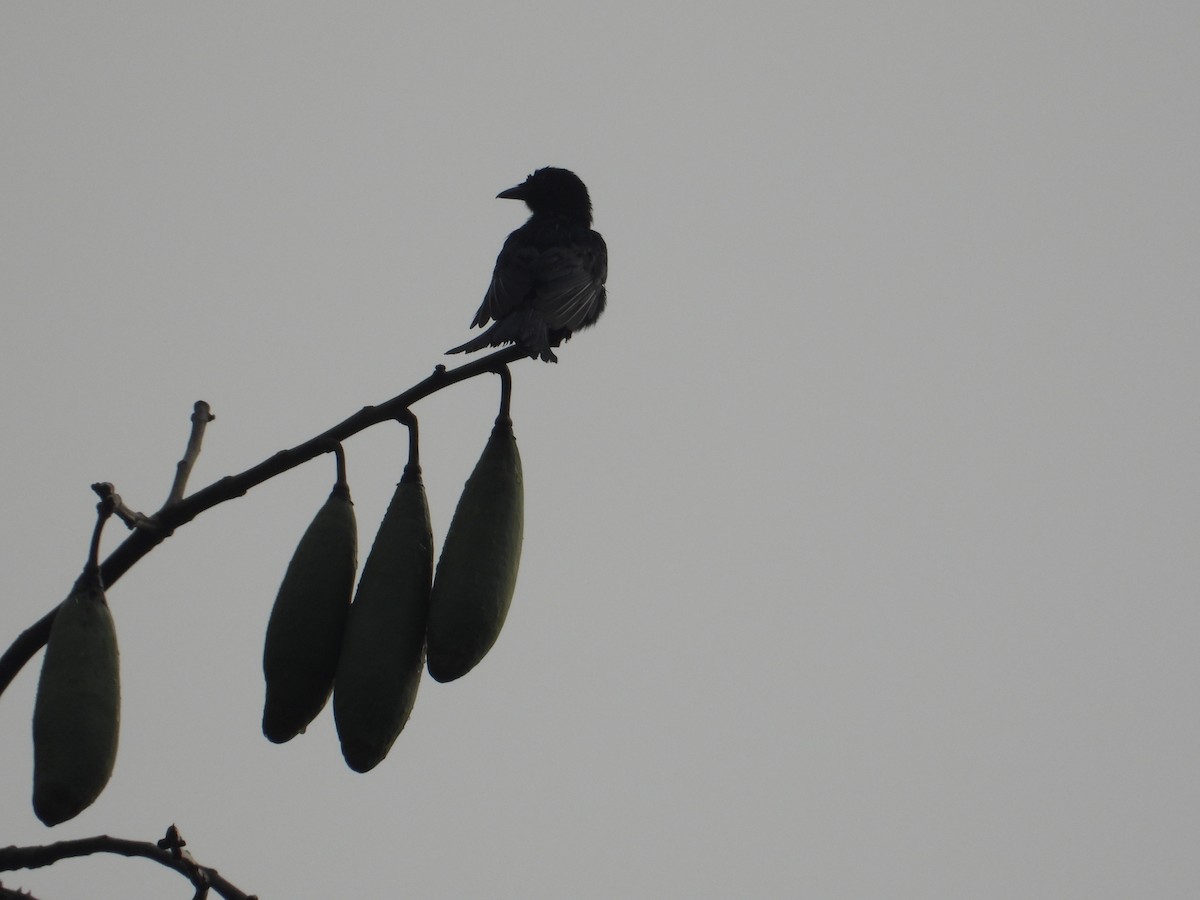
861, 533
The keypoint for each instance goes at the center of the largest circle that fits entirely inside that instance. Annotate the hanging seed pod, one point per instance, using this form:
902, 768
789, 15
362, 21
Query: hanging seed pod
77, 713
304, 633
477, 570
383, 653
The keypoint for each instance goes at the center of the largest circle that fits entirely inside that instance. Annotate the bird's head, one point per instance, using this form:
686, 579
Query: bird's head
553, 191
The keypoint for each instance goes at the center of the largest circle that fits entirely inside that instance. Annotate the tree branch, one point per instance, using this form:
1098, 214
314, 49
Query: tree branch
10, 894
167, 852
150, 531
201, 416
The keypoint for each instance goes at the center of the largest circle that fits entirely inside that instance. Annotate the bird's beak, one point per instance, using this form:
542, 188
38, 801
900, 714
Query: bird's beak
513, 193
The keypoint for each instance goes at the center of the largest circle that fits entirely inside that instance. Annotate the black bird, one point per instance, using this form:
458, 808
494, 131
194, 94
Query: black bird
549, 277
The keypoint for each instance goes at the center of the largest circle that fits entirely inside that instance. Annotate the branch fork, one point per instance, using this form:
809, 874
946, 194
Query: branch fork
150, 531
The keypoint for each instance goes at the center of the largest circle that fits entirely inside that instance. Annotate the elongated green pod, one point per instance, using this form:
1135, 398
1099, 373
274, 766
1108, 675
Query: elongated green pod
77, 713
304, 633
477, 570
383, 652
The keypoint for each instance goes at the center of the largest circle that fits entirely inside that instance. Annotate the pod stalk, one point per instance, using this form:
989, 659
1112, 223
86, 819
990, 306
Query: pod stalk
504, 416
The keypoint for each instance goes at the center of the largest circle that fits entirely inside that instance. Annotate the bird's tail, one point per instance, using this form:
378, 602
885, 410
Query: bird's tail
484, 340
527, 330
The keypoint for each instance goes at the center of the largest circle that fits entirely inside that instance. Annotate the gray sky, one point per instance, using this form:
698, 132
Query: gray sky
861, 533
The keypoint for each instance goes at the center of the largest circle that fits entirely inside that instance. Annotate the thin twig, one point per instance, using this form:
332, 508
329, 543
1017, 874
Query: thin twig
131, 517
201, 877
162, 524
201, 416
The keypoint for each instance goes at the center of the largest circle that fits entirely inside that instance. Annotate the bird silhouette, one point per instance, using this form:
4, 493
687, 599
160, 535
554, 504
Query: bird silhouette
549, 277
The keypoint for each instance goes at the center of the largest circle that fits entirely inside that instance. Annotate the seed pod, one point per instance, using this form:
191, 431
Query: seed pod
77, 713
304, 633
383, 652
477, 570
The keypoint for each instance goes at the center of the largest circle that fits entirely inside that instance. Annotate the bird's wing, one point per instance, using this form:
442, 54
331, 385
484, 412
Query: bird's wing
557, 273
567, 285
511, 280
